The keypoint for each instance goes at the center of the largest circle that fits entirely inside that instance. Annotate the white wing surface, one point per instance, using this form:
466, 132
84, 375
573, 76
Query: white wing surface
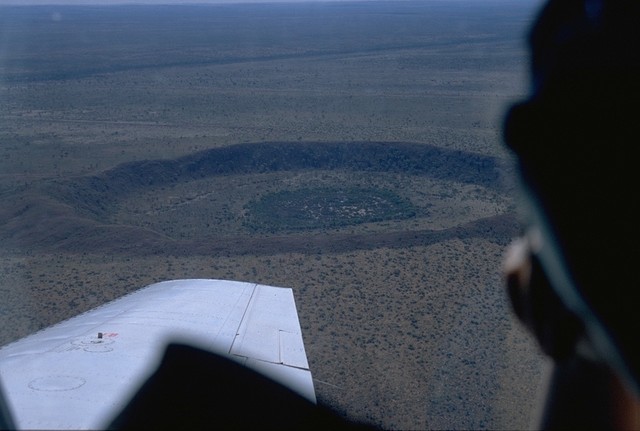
79, 373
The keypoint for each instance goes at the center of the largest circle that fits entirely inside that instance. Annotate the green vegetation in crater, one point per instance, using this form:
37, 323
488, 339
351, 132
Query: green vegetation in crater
323, 208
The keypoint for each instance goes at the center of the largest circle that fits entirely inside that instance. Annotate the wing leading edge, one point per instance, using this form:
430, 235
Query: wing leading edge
78, 373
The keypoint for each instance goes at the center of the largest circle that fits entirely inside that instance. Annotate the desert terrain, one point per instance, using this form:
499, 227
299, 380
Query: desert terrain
350, 151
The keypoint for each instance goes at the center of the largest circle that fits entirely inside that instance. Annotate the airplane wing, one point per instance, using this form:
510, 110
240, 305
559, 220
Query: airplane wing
79, 373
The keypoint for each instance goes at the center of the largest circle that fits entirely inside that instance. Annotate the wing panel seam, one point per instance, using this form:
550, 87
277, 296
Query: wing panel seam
244, 315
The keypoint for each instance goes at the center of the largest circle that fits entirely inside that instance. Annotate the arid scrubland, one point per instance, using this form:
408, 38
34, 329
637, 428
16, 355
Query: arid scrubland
404, 319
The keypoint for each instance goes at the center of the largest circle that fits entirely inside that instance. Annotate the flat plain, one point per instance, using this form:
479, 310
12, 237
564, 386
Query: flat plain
350, 151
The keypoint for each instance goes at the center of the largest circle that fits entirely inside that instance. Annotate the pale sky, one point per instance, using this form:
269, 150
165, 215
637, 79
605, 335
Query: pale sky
113, 2
109, 2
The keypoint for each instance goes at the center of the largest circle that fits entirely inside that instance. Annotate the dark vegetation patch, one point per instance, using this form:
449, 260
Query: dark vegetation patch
325, 208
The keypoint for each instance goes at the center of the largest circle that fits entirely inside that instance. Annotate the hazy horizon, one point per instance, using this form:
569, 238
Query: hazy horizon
187, 2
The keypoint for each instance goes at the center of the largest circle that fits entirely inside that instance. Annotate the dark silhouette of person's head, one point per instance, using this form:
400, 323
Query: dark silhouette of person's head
575, 139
